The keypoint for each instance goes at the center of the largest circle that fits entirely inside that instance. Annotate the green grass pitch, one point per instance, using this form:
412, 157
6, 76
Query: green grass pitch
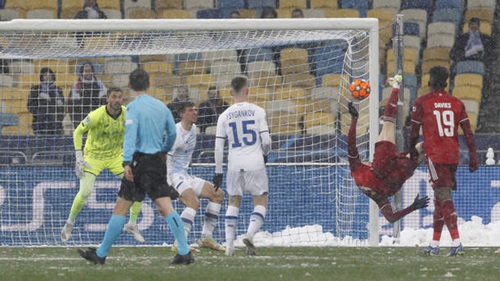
298, 263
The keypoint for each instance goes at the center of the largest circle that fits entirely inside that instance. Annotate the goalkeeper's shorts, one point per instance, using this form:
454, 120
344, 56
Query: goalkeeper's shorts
114, 165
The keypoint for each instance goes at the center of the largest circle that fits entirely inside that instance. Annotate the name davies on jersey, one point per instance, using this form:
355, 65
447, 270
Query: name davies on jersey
241, 113
442, 105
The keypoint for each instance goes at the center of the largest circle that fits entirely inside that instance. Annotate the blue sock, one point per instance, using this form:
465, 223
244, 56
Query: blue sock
174, 221
115, 227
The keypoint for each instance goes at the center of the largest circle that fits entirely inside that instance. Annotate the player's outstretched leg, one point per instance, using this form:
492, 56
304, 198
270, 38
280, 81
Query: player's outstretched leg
66, 231
91, 256
132, 227
183, 259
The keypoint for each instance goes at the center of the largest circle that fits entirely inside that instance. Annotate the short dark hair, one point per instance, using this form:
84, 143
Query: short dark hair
297, 10
474, 20
438, 76
139, 80
181, 106
212, 88
45, 70
238, 83
113, 89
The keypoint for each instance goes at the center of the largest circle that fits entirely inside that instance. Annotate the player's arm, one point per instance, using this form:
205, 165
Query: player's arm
220, 139
78, 133
469, 140
265, 137
171, 132
389, 214
352, 149
416, 122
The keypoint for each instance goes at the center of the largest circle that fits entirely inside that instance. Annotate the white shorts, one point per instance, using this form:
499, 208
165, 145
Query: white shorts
252, 182
183, 181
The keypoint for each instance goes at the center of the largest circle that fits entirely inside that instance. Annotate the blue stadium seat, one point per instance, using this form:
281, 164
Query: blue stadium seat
409, 28
448, 4
417, 4
448, 15
258, 54
258, 4
361, 5
209, 14
410, 81
328, 59
231, 4
470, 66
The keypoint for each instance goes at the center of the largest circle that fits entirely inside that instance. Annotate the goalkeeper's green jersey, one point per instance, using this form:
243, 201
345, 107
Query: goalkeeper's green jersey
104, 134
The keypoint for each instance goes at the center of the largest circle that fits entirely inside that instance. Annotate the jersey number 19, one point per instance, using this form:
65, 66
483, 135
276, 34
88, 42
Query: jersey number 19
445, 122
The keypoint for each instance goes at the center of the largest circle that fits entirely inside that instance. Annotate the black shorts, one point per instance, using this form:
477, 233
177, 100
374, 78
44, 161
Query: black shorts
150, 177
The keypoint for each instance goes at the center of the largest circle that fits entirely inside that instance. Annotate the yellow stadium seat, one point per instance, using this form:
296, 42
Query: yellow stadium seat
140, 13
66, 80
73, 4
318, 118
342, 13
362, 125
158, 67
384, 15
201, 80
169, 4
324, 4
428, 64
322, 130
469, 79
294, 60
260, 94
285, 130
303, 80
437, 53
28, 80
41, 14
284, 13
19, 4
331, 80
173, 14
484, 15
192, 67
69, 12
109, 4
225, 94
409, 54
301, 4
290, 93
409, 67
162, 80
266, 80
247, 13
468, 93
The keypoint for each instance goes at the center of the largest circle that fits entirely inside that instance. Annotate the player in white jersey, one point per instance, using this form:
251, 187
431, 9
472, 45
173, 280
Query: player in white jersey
244, 126
189, 187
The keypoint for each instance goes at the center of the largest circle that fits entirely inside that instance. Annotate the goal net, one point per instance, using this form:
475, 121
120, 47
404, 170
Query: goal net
298, 70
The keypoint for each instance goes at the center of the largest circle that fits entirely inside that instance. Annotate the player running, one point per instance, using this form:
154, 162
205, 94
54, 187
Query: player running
189, 187
440, 114
389, 170
103, 150
244, 126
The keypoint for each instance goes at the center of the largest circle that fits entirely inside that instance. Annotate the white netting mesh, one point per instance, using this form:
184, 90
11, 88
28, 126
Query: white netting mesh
300, 76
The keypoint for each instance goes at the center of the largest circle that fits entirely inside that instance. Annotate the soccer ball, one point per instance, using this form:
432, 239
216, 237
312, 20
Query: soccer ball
360, 89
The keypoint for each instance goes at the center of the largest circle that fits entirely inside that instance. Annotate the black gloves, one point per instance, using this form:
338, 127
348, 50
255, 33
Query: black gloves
265, 158
352, 110
420, 203
217, 181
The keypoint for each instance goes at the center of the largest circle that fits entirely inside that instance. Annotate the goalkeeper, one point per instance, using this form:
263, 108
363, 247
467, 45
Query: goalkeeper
385, 176
103, 150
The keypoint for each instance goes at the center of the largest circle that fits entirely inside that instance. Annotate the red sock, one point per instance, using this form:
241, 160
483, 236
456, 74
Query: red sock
450, 218
438, 221
391, 108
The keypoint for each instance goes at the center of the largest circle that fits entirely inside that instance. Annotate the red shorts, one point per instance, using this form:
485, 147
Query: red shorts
442, 175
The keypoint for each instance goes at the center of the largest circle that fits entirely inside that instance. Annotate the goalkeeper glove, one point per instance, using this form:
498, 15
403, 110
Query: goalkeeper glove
80, 164
420, 203
352, 110
217, 181
394, 81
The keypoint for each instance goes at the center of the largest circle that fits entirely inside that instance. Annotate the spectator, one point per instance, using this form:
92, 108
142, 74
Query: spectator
234, 14
181, 94
90, 11
46, 103
473, 45
211, 109
297, 14
87, 94
268, 13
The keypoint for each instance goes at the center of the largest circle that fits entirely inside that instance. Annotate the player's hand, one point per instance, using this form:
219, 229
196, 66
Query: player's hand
127, 171
473, 164
80, 164
265, 158
420, 203
352, 110
217, 181
394, 81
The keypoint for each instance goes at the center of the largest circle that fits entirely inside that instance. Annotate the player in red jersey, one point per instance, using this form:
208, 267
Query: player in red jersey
439, 114
385, 176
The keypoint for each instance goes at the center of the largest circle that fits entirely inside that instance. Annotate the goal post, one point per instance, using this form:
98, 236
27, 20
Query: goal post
298, 70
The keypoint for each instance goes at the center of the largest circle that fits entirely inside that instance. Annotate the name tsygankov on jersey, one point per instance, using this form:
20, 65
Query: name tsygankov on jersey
241, 113
442, 105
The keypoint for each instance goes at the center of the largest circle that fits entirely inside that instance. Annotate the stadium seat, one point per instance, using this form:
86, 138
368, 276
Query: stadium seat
448, 15
247, 13
26, 81
480, 4
468, 79
222, 55
158, 67
331, 80
127, 4
173, 14
449, 4
71, 4
225, 67
274, 106
66, 80
113, 13
169, 4
470, 66
314, 13
342, 13
258, 4
468, 93
115, 4
294, 60
266, 80
260, 68
383, 14
70, 12
231, 4
291, 4
7, 14
471, 106
323, 99
41, 14
140, 13
410, 55
119, 66
323, 4
322, 130
21, 67
198, 4
6, 80
417, 4
485, 15
284, 122
419, 16
19, 4
436, 54
440, 27
441, 40
209, 14
394, 5
285, 13
318, 118
258, 54
201, 80
303, 80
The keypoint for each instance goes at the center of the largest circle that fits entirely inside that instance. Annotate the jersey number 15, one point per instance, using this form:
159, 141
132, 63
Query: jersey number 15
249, 136
445, 122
